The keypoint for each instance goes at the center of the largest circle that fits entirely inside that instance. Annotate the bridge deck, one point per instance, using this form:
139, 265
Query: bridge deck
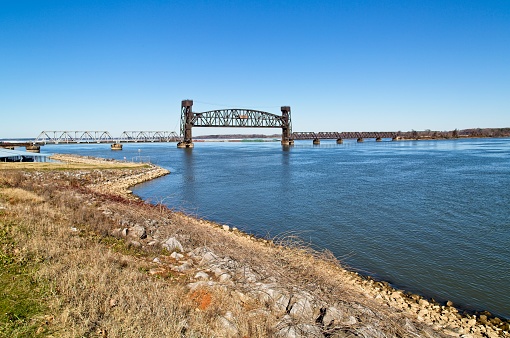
341, 135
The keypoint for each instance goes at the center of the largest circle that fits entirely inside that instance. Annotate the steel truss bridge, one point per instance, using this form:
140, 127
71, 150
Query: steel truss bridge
238, 118
247, 118
57, 137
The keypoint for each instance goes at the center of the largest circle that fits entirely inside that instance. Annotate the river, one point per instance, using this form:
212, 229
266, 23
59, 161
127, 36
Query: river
430, 217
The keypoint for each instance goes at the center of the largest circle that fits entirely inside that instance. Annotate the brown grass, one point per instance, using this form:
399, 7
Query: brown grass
66, 166
16, 195
100, 286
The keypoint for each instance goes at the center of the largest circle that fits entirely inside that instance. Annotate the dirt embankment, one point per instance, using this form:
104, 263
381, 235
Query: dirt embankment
116, 266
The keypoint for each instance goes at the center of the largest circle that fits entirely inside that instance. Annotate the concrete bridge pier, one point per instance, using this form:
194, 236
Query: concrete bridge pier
360, 139
286, 127
339, 141
116, 146
316, 141
183, 144
34, 148
186, 124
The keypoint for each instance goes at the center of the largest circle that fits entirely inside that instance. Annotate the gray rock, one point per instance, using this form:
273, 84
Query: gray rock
199, 252
332, 315
208, 257
370, 331
287, 328
172, 244
202, 275
302, 308
183, 267
227, 323
176, 255
225, 277
218, 271
246, 274
138, 232
200, 284
282, 303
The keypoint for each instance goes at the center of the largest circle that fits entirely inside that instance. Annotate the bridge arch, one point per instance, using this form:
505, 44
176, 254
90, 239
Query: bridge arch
235, 118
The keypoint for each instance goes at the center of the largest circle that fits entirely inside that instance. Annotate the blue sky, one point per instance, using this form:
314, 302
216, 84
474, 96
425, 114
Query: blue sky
341, 65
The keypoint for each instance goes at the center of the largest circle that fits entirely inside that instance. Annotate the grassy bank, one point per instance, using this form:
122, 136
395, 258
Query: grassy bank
22, 303
83, 261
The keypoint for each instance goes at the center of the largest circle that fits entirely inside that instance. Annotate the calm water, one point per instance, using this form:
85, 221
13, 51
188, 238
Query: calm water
431, 217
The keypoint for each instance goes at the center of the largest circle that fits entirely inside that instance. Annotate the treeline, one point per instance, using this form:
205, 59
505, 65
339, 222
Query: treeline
456, 133
413, 134
236, 136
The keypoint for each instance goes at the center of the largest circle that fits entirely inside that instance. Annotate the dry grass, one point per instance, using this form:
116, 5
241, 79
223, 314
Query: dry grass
99, 286
67, 166
16, 195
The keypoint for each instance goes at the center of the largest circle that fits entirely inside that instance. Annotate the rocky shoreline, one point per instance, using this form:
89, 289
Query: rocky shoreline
307, 294
116, 185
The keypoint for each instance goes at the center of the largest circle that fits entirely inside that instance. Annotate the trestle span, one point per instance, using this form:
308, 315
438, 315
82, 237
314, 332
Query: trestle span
340, 136
76, 136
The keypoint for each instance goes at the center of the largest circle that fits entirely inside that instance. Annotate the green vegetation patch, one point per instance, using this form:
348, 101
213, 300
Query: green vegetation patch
21, 309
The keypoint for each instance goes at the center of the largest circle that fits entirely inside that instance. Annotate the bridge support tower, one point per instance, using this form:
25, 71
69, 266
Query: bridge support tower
286, 127
186, 124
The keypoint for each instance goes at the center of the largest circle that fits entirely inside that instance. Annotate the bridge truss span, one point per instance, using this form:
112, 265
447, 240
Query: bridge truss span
60, 137
63, 136
148, 136
342, 135
237, 118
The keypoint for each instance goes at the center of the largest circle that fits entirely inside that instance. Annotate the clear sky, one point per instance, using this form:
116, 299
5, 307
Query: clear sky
358, 65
